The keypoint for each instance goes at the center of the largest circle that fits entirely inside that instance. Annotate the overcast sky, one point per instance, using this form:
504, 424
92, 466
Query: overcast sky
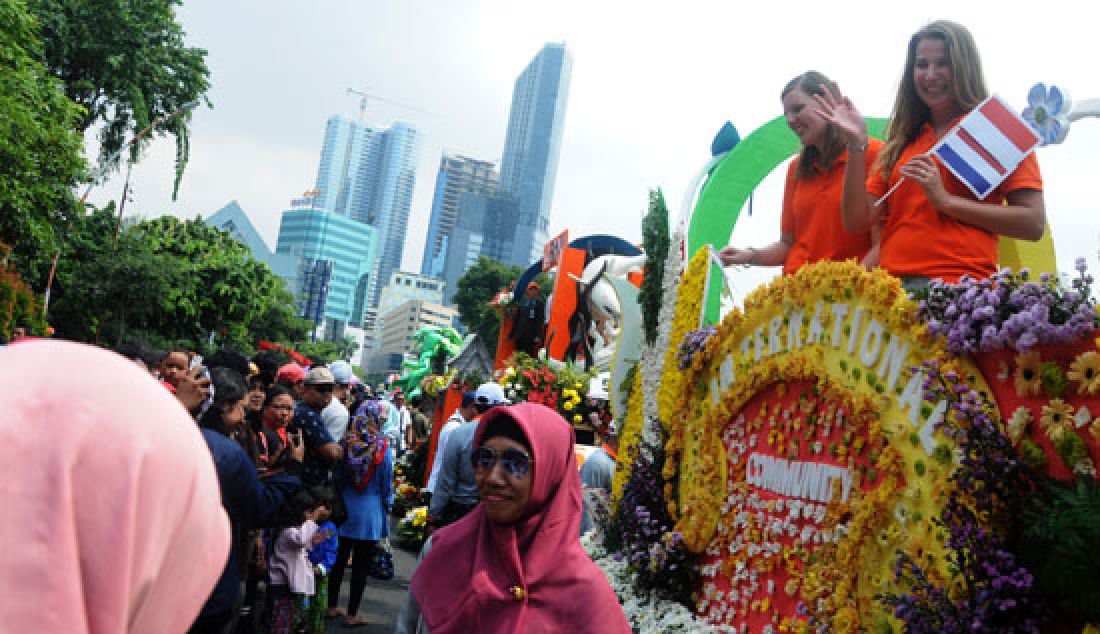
652, 83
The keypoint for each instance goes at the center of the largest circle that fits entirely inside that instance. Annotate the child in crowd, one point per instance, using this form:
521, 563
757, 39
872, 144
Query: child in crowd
323, 556
291, 574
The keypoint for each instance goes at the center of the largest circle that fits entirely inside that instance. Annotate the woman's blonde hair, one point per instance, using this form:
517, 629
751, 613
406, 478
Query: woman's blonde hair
814, 83
910, 113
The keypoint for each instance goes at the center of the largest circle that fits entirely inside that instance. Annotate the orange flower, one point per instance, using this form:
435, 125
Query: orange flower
1028, 382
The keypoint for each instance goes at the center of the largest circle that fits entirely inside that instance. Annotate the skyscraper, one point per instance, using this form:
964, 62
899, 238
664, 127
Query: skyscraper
532, 146
367, 174
512, 225
458, 175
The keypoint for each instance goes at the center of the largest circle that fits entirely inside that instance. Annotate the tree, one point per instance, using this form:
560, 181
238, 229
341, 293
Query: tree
126, 64
170, 281
40, 152
475, 288
655, 243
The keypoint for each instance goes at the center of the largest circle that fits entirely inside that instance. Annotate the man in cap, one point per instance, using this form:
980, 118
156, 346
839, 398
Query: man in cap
528, 319
465, 413
335, 415
321, 449
455, 492
291, 376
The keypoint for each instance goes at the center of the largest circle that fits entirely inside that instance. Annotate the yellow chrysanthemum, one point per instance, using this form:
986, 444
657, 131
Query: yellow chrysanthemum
577, 418
1085, 371
1057, 419
1028, 382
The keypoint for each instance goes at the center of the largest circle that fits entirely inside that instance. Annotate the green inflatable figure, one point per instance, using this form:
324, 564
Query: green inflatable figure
434, 343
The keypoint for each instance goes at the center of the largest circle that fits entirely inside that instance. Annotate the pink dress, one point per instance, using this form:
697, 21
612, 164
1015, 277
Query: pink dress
289, 564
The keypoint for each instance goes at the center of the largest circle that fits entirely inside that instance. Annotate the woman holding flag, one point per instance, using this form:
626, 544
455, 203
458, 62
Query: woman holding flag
934, 226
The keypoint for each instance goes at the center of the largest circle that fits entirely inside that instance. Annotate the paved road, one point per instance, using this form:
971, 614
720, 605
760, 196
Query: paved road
381, 600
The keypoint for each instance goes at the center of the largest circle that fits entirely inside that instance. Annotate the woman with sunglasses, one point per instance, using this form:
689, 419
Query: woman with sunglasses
514, 564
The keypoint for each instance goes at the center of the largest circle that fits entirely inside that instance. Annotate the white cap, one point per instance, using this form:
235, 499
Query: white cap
341, 372
490, 394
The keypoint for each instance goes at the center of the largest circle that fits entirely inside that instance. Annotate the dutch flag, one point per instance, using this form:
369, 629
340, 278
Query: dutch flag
986, 146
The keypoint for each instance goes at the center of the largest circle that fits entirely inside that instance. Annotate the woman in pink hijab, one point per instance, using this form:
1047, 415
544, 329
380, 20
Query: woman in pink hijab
514, 564
113, 519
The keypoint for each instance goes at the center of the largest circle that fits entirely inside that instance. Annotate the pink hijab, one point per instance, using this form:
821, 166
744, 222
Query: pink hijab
464, 583
113, 519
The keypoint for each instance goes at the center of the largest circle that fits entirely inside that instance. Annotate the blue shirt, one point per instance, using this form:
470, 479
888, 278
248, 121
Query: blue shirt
456, 478
324, 552
315, 469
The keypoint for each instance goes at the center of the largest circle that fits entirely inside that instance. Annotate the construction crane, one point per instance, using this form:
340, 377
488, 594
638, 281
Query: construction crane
363, 96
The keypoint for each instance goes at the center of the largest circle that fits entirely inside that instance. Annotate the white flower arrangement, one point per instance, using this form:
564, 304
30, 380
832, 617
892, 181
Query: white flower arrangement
652, 363
645, 615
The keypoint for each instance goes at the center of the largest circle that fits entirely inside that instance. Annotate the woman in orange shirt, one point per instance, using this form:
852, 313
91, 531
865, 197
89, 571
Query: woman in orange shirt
933, 226
811, 228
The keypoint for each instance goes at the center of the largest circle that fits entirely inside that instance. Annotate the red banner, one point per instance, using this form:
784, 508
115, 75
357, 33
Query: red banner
267, 345
551, 252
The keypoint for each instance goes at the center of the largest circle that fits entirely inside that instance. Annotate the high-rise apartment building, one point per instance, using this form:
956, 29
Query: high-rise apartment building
458, 175
367, 174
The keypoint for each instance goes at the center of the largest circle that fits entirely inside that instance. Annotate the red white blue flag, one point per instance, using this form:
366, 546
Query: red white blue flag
986, 146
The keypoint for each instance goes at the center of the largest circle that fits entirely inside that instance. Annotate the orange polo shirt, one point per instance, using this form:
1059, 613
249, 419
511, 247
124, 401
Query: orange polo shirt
918, 239
812, 215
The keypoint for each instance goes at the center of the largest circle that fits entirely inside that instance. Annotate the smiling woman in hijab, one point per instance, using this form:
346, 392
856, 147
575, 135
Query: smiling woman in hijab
514, 563
113, 516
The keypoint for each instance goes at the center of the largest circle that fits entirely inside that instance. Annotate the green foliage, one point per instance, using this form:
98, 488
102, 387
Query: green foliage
1060, 544
169, 281
655, 243
474, 290
1071, 449
1032, 454
127, 64
40, 152
1053, 379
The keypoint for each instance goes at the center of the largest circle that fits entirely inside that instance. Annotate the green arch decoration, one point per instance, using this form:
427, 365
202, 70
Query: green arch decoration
739, 173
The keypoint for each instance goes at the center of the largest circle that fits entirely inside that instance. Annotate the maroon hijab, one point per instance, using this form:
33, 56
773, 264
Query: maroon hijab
531, 576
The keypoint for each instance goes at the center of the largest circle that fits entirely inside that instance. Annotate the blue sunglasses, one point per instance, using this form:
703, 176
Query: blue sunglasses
516, 463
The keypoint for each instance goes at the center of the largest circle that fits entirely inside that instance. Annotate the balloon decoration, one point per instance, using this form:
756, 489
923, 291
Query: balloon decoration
431, 341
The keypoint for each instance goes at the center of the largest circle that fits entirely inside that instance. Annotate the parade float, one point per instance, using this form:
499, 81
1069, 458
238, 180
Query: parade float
837, 456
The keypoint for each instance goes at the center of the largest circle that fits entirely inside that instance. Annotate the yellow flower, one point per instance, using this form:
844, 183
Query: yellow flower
1057, 419
577, 418
846, 619
1085, 370
1027, 374
567, 406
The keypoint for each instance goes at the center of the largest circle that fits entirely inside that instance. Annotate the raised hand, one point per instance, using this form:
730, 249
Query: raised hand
193, 388
924, 171
838, 110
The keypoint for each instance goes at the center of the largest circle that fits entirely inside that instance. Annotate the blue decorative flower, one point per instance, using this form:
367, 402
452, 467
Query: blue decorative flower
1047, 113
